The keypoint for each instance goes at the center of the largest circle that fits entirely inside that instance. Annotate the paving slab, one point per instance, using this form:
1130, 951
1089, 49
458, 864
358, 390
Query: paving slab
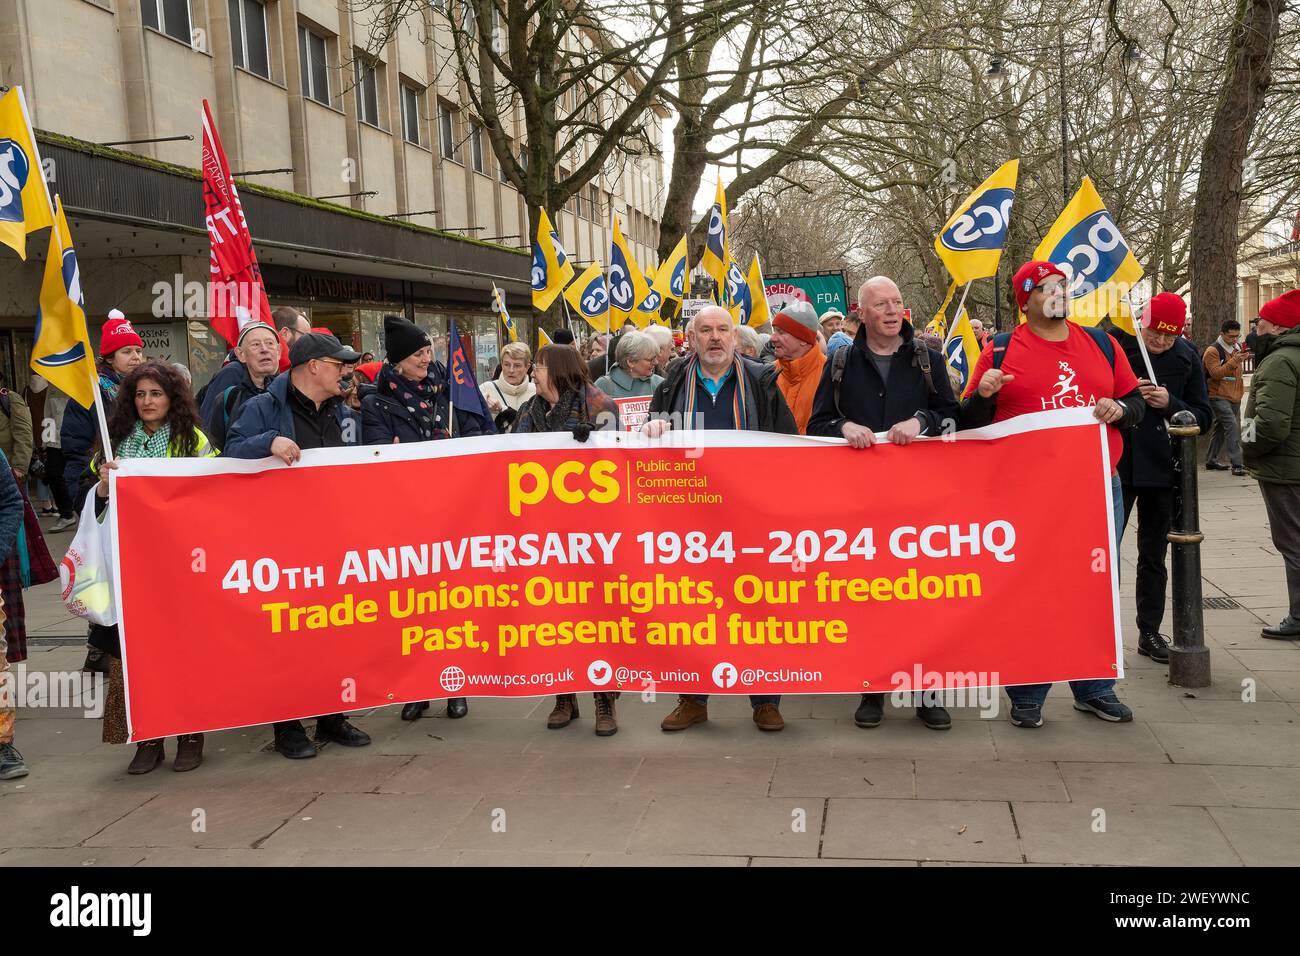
730, 826
980, 831
221, 818
1133, 835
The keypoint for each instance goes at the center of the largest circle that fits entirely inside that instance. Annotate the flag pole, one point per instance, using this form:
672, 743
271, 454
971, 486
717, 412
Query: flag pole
90, 357
1142, 347
956, 315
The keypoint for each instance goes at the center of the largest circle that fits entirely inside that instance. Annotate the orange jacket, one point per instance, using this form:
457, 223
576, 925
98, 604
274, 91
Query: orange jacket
1225, 379
798, 382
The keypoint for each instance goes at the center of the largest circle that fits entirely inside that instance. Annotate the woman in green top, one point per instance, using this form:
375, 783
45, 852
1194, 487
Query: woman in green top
154, 417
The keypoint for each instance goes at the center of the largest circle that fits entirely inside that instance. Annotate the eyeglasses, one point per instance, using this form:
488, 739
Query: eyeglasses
335, 362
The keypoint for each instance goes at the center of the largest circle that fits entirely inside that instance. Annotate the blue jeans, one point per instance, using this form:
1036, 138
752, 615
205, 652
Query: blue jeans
1036, 694
755, 700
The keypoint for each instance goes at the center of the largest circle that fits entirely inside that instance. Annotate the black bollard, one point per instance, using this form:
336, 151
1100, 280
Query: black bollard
1189, 658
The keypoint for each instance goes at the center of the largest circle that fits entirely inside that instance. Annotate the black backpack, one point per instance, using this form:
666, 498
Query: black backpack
1104, 342
920, 358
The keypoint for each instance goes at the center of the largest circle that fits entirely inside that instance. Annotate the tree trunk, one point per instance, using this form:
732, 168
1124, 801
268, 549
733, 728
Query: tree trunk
1214, 238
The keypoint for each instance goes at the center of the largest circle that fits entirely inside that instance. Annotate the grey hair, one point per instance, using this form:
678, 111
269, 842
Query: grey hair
633, 346
661, 334
749, 339
184, 373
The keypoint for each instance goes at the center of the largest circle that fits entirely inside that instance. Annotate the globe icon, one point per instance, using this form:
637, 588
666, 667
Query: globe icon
452, 678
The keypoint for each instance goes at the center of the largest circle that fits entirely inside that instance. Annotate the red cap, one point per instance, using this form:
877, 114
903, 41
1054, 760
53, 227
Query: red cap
1283, 311
1166, 312
1028, 276
370, 369
117, 333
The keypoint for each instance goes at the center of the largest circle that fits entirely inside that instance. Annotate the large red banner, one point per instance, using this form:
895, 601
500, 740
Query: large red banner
707, 562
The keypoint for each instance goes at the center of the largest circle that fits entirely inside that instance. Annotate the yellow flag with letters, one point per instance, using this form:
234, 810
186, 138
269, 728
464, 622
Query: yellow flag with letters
717, 245
627, 286
971, 241
62, 352
673, 280
1100, 269
590, 298
552, 270
24, 197
747, 295
962, 349
499, 306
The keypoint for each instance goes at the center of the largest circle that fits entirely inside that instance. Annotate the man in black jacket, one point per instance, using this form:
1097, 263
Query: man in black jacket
885, 382
717, 388
1146, 470
257, 359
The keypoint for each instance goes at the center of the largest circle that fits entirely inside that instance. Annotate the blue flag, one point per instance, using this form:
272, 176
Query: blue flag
462, 389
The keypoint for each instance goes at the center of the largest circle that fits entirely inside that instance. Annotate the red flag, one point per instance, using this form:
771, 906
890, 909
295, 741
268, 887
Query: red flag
236, 295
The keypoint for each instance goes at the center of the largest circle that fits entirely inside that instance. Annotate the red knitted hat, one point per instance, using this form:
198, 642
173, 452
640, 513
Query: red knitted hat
1283, 311
117, 333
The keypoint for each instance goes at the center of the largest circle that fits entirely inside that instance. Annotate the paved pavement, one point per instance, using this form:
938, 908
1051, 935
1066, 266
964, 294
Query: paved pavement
1199, 778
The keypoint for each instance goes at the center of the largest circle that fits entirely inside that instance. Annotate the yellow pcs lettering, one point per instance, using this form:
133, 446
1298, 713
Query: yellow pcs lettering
572, 482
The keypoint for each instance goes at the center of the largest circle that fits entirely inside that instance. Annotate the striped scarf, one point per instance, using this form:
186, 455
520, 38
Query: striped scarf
738, 400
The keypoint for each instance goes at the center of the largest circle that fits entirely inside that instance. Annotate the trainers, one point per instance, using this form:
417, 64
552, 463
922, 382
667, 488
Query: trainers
871, 710
687, 712
1107, 707
1215, 466
1154, 646
337, 729
606, 724
767, 717
936, 718
11, 763
63, 524
1027, 715
1287, 630
1239, 471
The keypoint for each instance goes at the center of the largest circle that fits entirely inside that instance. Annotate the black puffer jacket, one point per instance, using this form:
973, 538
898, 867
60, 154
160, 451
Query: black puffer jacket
866, 400
1148, 460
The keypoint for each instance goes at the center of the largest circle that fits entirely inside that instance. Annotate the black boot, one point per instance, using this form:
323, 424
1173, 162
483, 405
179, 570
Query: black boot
336, 728
291, 741
1154, 646
457, 707
413, 711
871, 711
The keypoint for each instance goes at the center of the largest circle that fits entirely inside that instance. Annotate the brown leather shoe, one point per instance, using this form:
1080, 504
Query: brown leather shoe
189, 752
606, 724
768, 717
688, 711
148, 755
566, 709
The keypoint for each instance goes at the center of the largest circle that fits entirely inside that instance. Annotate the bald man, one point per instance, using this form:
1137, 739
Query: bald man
888, 382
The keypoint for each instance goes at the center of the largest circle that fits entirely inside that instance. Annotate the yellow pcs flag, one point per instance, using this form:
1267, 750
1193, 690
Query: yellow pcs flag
648, 310
590, 298
1099, 266
962, 349
748, 296
24, 197
543, 339
673, 281
717, 246
499, 306
62, 352
627, 286
970, 243
552, 270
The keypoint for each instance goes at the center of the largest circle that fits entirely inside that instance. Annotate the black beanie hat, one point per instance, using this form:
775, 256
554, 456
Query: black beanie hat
402, 338
562, 336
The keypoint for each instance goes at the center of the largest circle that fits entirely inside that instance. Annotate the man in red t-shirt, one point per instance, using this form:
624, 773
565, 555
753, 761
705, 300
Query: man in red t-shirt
1050, 362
